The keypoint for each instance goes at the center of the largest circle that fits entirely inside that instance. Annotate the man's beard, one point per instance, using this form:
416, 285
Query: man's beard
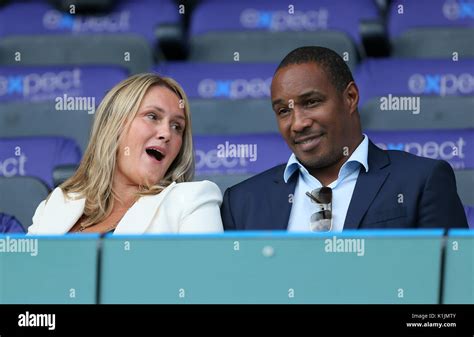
321, 162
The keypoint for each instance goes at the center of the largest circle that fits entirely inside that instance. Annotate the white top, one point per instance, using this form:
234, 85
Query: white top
191, 207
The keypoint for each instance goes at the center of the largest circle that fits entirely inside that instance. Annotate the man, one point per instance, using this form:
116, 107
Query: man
315, 101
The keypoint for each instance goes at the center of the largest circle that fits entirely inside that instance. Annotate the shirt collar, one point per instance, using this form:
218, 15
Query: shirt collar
360, 155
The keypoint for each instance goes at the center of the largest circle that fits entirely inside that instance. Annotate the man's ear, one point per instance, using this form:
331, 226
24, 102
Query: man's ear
351, 96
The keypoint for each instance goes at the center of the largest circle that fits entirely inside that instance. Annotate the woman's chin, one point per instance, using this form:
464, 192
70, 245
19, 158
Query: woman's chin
150, 181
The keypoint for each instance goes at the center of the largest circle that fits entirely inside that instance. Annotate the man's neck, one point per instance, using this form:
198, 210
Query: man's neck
327, 175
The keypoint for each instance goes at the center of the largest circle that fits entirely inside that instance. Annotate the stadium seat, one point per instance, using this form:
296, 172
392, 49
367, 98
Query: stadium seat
9, 224
263, 31
431, 28
226, 98
445, 89
125, 37
253, 154
50, 270
469, 215
465, 182
36, 156
458, 285
29, 98
21, 196
397, 267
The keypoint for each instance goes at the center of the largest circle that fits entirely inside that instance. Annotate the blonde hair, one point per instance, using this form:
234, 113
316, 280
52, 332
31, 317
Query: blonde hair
93, 179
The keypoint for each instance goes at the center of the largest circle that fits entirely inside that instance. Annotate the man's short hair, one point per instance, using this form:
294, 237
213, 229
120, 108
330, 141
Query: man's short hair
333, 64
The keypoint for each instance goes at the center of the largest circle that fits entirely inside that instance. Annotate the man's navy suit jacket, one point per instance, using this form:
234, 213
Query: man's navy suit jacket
400, 190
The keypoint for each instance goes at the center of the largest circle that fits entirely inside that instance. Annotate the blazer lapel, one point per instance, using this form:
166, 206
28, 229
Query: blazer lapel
60, 214
140, 216
367, 186
280, 200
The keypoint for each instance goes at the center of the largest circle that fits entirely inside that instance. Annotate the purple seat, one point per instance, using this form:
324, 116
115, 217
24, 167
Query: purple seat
225, 97
221, 81
36, 156
36, 84
470, 215
127, 17
275, 16
445, 89
220, 155
431, 28
34, 100
9, 224
265, 31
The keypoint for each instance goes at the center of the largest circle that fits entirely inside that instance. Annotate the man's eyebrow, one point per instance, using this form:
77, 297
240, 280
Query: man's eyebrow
276, 102
302, 96
311, 93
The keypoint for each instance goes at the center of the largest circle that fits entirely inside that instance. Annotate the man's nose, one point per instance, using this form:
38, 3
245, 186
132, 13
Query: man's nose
300, 121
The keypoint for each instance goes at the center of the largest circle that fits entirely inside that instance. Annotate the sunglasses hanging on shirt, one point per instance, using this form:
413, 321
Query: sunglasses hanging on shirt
321, 220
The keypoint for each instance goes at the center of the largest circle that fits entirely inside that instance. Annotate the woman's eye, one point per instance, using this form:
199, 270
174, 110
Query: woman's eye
152, 116
177, 127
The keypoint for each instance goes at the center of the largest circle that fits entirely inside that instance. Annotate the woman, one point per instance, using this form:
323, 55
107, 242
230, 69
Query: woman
135, 176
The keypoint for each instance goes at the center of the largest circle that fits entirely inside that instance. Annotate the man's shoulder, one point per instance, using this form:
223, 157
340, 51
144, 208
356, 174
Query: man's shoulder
408, 159
261, 180
411, 165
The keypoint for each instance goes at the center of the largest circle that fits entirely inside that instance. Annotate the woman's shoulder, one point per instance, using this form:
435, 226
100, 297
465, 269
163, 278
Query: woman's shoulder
198, 189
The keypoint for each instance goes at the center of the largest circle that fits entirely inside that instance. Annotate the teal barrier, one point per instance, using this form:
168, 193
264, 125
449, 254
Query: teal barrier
270, 267
48, 269
459, 268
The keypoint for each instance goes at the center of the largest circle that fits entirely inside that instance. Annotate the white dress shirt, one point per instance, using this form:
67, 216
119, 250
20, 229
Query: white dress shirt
342, 189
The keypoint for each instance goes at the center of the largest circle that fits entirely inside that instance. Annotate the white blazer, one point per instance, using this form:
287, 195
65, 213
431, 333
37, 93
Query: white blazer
191, 207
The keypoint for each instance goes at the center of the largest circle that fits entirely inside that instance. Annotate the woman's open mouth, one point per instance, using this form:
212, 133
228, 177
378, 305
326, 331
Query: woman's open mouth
155, 153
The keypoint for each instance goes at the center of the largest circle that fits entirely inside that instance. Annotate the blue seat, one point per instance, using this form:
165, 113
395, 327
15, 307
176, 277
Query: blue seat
42, 273
276, 267
459, 268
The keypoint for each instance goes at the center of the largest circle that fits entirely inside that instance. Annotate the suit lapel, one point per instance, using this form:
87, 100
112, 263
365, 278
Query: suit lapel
280, 204
140, 216
367, 186
60, 214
